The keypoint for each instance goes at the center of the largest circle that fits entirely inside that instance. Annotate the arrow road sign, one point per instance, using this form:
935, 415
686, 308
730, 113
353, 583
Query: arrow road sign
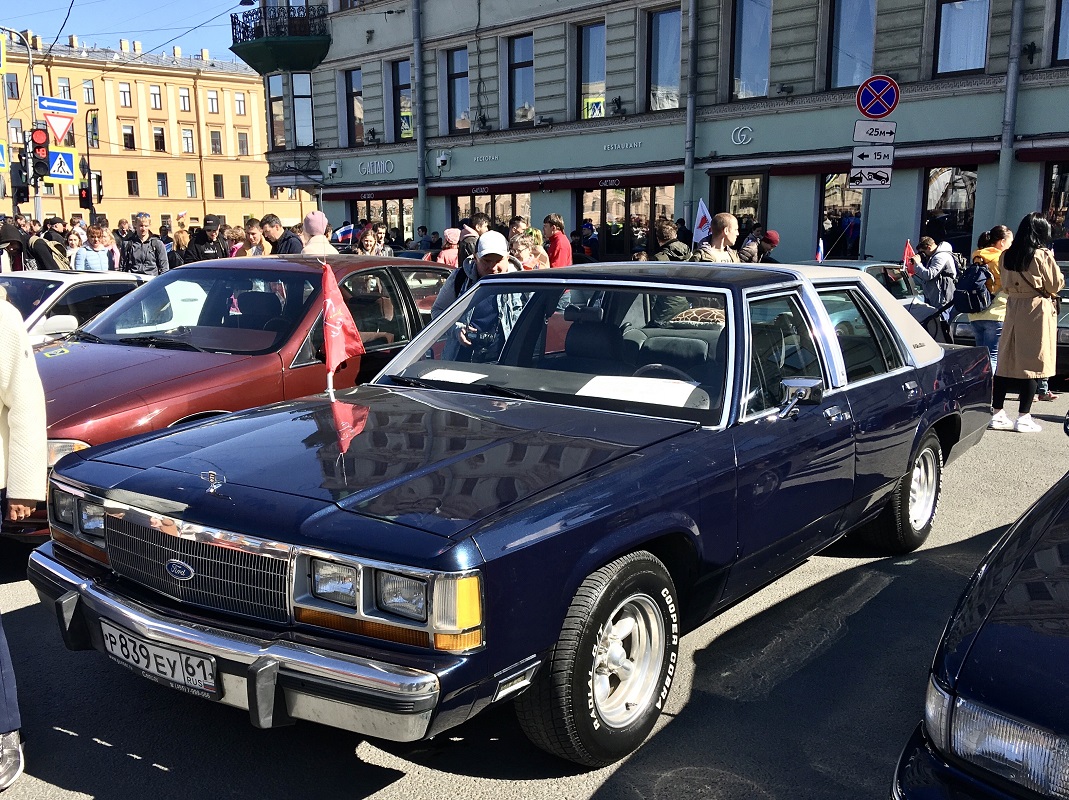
877, 97
877, 131
61, 164
3, 156
59, 124
869, 178
58, 104
877, 156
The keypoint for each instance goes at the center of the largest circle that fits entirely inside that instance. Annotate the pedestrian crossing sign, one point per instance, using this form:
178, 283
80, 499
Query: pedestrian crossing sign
3, 156
61, 165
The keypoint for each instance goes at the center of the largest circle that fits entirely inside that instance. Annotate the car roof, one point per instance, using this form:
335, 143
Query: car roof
70, 276
341, 264
703, 275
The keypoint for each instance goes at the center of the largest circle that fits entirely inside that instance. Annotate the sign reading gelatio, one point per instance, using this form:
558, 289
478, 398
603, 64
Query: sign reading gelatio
383, 167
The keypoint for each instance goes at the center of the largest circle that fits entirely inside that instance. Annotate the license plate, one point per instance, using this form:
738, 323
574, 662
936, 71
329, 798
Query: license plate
187, 672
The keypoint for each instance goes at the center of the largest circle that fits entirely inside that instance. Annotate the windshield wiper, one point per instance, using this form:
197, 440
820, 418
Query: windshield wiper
502, 391
161, 341
86, 336
402, 380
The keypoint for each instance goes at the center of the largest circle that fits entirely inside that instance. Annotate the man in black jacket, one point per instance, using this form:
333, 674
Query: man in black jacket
144, 253
283, 241
205, 244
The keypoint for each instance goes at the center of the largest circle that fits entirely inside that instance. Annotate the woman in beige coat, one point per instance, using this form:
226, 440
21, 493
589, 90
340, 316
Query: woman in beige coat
1027, 350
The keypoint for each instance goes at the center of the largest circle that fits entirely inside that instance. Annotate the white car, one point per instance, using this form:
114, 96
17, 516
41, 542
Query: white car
55, 302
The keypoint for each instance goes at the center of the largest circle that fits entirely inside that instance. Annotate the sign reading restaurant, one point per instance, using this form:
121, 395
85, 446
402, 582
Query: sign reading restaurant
384, 167
623, 146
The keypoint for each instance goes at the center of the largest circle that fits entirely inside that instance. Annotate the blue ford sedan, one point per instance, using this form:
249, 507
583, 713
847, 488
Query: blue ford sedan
564, 473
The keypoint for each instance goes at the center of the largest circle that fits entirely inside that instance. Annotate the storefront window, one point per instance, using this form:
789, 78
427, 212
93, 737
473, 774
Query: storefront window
839, 227
499, 207
949, 211
623, 217
395, 212
1056, 203
743, 196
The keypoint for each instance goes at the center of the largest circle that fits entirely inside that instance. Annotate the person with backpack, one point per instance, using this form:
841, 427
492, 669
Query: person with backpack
144, 254
987, 323
936, 268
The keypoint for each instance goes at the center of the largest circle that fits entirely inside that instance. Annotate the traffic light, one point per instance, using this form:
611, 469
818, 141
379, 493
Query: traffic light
98, 181
39, 151
20, 194
85, 197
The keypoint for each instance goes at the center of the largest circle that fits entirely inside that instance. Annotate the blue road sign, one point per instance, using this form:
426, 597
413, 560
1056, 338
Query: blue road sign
61, 165
877, 96
58, 104
3, 156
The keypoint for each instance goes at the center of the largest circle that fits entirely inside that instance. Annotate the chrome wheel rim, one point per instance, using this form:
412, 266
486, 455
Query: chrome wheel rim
922, 489
627, 661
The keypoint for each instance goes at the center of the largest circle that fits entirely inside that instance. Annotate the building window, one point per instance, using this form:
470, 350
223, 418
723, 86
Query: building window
521, 81
239, 103
663, 59
187, 140
752, 49
852, 42
131, 185
276, 115
125, 99
159, 143
591, 101
14, 131
456, 67
246, 188
354, 91
961, 44
402, 100
48, 188
63, 86
840, 217
191, 184
213, 101
89, 93
216, 139
128, 137
68, 140
161, 184
183, 99
38, 86
273, 192
217, 186
951, 193
11, 86
155, 99
92, 130
303, 129
243, 143
1061, 33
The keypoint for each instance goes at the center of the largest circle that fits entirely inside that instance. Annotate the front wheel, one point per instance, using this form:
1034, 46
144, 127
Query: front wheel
607, 678
907, 520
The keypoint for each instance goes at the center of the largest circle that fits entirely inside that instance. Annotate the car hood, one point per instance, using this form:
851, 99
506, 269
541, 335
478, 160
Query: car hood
79, 376
1008, 643
436, 461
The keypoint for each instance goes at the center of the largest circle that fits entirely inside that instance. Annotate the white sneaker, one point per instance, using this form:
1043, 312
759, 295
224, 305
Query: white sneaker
1000, 422
1025, 424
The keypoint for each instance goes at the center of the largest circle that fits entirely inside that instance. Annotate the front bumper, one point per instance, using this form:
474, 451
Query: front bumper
275, 681
923, 774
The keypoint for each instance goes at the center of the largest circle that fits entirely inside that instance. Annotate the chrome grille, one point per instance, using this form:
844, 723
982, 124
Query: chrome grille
224, 578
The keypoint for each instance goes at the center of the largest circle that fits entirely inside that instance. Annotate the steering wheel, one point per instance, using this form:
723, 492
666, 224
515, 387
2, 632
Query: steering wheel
661, 371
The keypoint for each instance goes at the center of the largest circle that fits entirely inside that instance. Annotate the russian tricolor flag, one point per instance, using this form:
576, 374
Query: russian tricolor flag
820, 249
344, 234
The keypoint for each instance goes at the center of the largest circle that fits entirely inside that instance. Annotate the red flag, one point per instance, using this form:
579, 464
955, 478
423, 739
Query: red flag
349, 421
341, 339
907, 258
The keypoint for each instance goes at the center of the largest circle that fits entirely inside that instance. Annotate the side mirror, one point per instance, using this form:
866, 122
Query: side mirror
801, 391
59, 325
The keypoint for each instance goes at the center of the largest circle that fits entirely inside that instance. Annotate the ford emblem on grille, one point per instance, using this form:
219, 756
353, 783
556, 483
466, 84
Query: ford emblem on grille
179, 570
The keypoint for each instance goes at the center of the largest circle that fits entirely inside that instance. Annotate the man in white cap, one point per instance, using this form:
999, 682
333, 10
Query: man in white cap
491, 255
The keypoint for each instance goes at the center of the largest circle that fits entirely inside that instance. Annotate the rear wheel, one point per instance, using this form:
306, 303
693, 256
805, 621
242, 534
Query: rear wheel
606, 680
907, 520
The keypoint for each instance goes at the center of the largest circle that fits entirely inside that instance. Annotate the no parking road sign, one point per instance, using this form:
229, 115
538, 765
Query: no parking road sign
877, 96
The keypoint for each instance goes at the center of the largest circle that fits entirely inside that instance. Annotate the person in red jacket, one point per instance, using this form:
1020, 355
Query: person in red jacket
558, 246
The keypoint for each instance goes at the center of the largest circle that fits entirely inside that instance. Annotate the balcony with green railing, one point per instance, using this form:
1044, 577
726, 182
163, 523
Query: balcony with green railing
281, 38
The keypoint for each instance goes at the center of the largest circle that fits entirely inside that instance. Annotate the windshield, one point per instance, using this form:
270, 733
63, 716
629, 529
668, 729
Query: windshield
211, 309
621, 349
27, 294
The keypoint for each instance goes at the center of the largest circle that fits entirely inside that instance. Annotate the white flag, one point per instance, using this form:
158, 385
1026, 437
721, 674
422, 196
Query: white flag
703, 222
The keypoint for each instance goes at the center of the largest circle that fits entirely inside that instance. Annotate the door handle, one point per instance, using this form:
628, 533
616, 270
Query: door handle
912, 390
836, 414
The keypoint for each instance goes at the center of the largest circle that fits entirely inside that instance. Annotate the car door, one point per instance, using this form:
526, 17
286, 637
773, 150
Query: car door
885, 397
795, 473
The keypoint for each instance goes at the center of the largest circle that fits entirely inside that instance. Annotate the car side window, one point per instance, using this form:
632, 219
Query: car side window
376, 307
868, 347
86, 301
781, 346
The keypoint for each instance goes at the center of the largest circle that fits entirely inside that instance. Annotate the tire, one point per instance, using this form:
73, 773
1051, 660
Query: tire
606, 680
907, 519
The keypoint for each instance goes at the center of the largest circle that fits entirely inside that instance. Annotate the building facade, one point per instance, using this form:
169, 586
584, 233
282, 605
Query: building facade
175, 136
623, 111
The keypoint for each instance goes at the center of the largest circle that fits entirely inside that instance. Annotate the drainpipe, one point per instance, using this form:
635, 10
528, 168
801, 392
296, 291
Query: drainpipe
420, 210
692, 101
1009, 113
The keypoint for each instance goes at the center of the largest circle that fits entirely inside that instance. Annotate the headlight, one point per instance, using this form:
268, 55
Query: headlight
57, 448
91, 519
1063, 335
401, 595
936, 713
63, 508
336, 583
1027, 755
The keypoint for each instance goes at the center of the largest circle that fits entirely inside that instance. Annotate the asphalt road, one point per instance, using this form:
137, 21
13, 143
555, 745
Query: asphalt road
809, 689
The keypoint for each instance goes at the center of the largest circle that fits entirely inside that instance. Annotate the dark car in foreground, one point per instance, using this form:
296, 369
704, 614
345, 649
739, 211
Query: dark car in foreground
219, 336
564, 473
996, 714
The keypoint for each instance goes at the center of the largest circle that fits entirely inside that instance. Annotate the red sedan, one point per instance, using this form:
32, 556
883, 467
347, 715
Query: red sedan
220, 336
